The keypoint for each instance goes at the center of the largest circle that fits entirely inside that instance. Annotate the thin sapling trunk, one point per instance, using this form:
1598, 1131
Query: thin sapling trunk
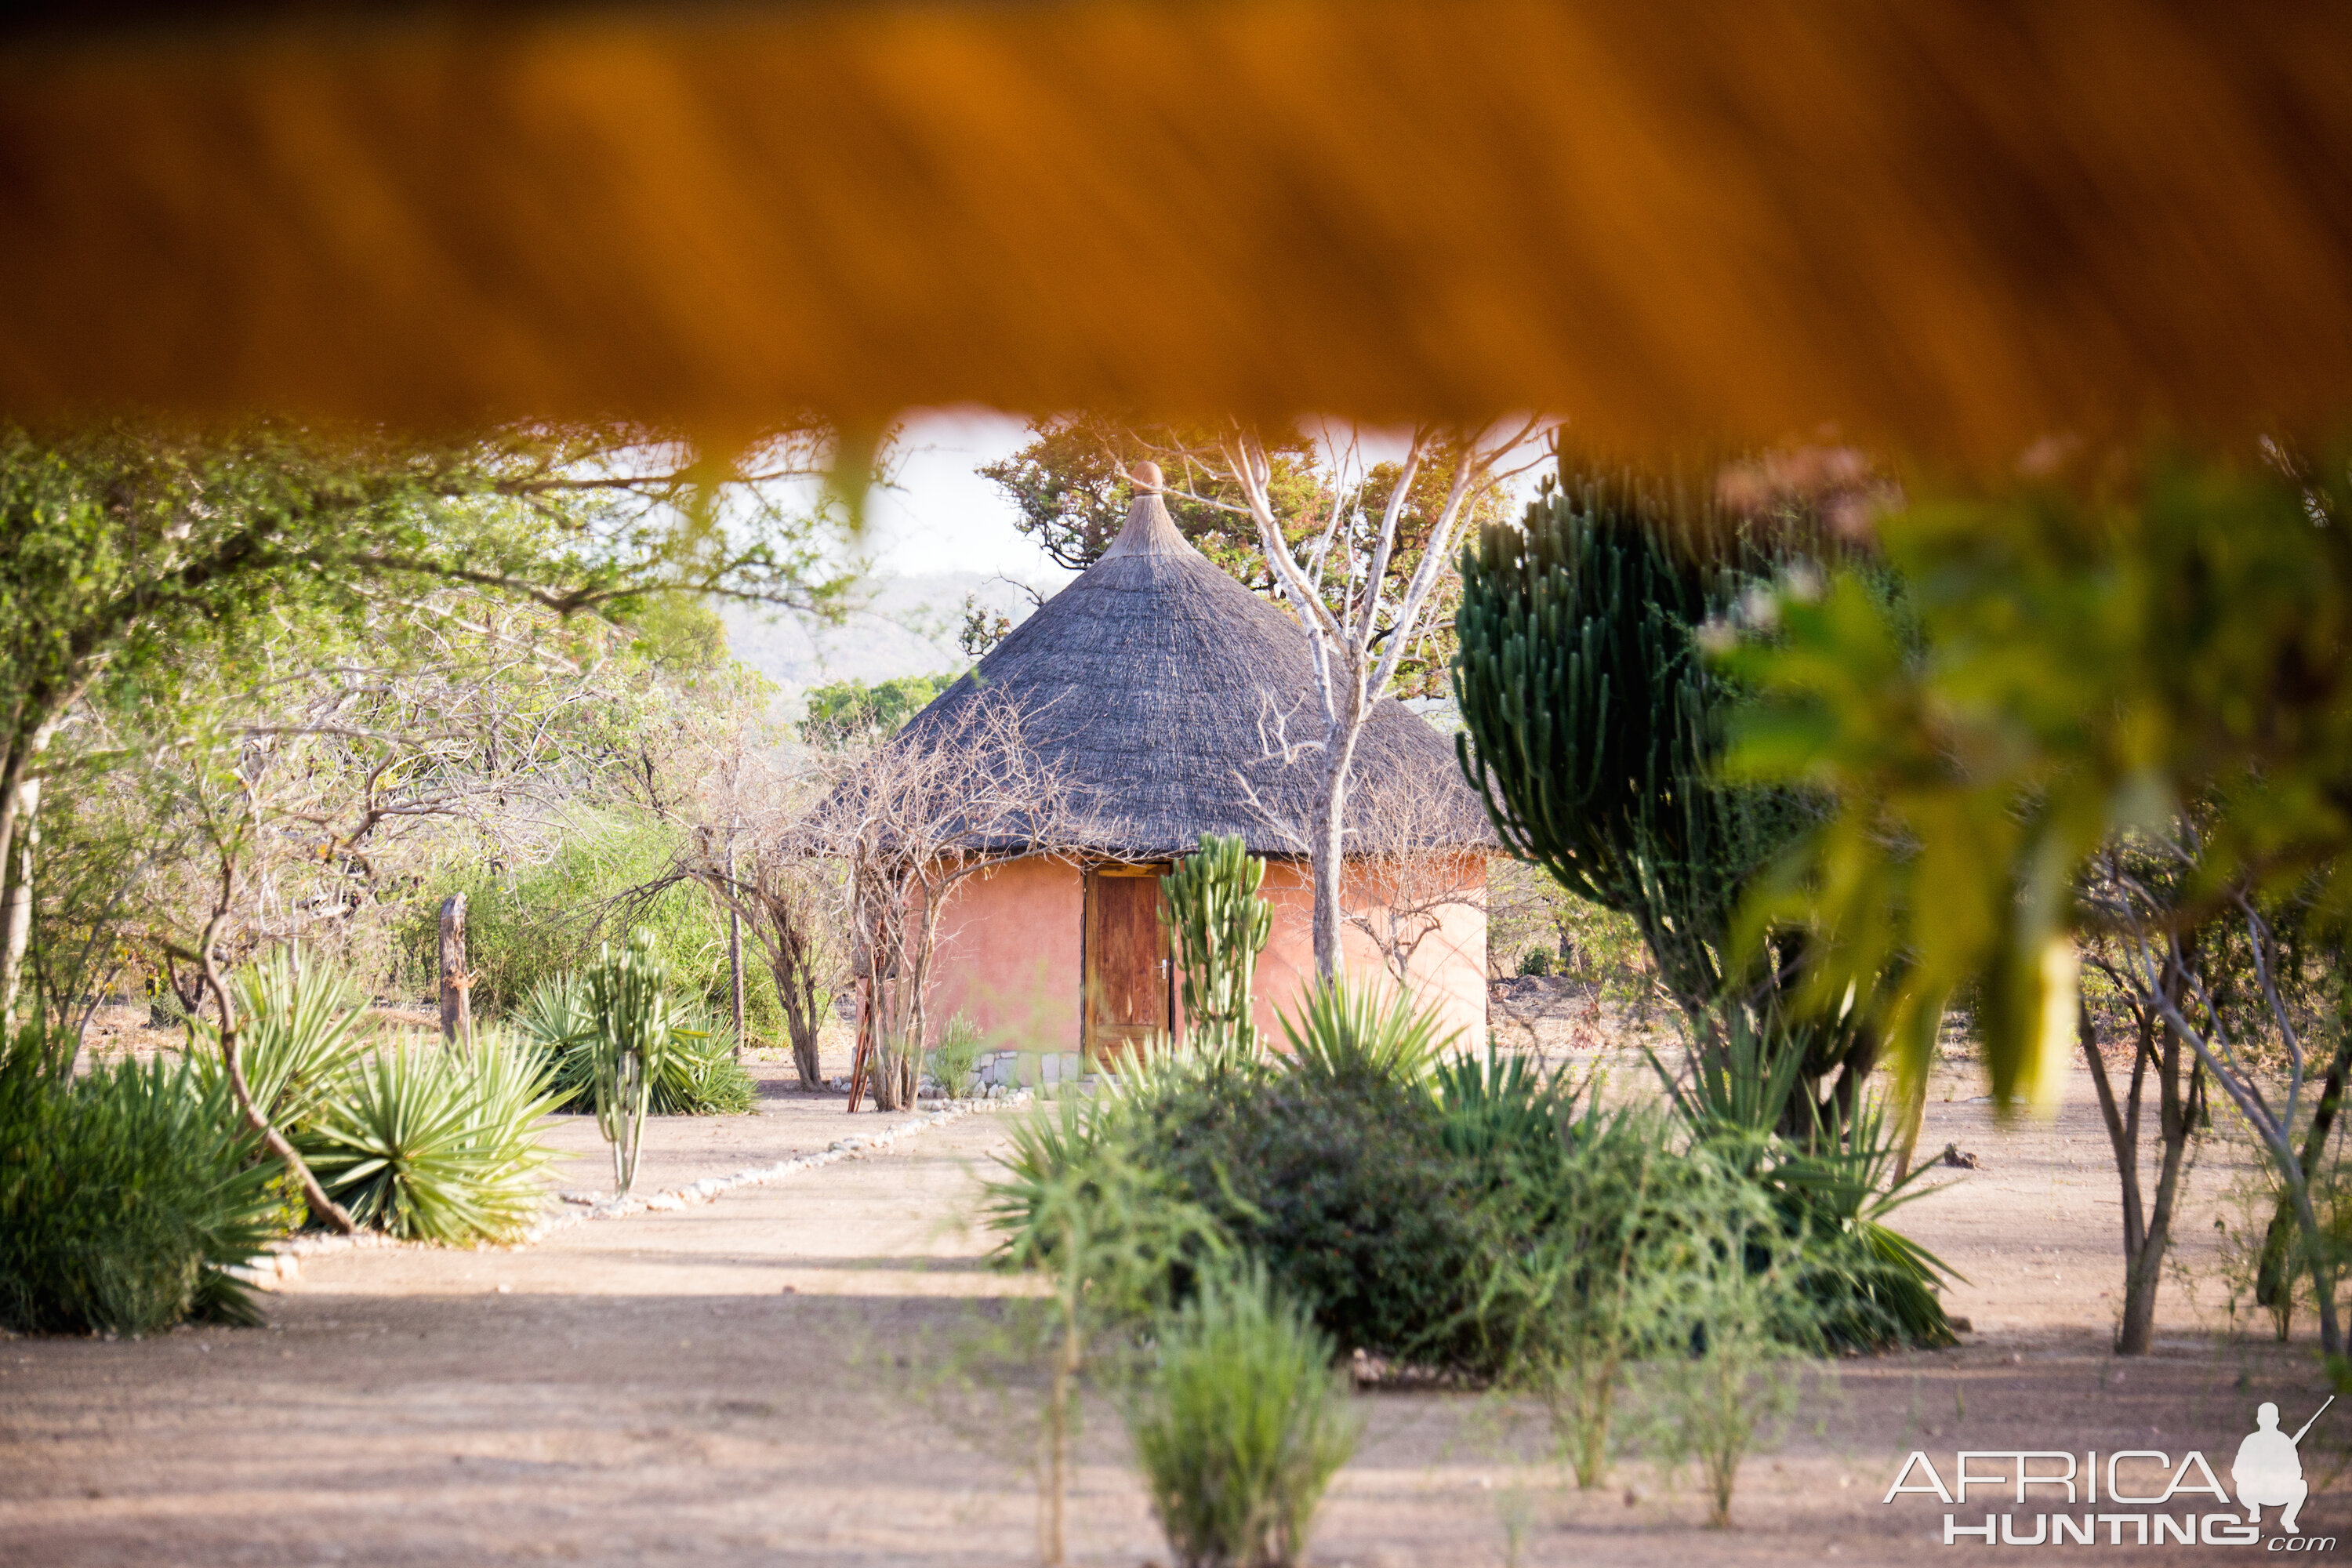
232, 1059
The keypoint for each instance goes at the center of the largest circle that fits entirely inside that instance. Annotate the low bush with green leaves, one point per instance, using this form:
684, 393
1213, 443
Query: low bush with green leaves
955, 1060
1112, 1241
1486, 1218
1239, 1423
437, 1145
1407, 1200
126, 1196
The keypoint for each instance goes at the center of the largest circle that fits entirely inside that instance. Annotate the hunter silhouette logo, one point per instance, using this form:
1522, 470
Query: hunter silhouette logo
2269, 1468
2136, 1497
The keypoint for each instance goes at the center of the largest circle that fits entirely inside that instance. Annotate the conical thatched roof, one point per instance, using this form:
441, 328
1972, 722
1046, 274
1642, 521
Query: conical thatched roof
1162, 691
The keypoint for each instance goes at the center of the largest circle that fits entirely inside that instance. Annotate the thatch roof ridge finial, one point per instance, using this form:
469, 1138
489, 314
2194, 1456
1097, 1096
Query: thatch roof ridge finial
1149, 530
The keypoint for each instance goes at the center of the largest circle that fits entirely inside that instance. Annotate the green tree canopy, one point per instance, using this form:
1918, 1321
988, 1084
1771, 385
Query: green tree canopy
845, 707
131, 555
2089, 651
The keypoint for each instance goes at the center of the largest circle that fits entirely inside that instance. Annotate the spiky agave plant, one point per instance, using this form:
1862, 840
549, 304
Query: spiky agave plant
555, 1016
1351, 1032
435, 1146
299, 1023
700, 1074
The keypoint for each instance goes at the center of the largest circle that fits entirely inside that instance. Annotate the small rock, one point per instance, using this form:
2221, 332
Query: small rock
1962, 1326
1954, 1156
1633, 1497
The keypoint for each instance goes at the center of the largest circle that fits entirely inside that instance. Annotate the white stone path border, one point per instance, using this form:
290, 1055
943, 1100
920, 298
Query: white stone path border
283, 1263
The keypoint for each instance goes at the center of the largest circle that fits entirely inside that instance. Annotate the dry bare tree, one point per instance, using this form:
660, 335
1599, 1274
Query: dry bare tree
744, 795
1405, 841
1358, 629
912, 818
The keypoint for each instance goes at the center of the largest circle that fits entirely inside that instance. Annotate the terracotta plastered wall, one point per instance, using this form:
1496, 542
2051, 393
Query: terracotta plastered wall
1447, 967
1008, 955
1010, 946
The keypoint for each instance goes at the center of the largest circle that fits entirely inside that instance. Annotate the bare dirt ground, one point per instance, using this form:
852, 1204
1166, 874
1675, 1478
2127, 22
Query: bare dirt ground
758, 1380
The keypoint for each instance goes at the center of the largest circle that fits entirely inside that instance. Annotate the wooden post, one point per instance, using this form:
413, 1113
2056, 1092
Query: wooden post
734, 944
857, 1060
457, 1012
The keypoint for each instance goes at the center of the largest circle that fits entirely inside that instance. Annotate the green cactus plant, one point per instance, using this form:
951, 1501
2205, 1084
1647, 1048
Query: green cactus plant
628, 995
1210, 904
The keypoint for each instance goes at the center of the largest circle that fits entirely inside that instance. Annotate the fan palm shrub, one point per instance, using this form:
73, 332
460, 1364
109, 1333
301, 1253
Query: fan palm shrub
125, 1195
1832, 1188
1240, 1423
434, 1144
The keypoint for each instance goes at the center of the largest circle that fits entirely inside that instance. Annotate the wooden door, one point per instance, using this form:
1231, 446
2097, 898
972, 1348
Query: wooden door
1128, 1003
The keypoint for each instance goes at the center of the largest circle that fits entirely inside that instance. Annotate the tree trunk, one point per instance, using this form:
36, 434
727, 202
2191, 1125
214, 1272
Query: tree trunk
2272, 1280
232, 1059
1327, 847
18, 839
788, 961
2148, 1225
456, 981
734, 950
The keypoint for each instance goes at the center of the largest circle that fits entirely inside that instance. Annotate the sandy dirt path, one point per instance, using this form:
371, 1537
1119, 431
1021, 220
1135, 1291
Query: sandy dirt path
756, 1381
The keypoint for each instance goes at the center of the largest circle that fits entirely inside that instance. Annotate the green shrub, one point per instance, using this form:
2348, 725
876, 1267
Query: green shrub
1240, 1425
1590, 1286
1111, 1239
700, 1074
124, 1197
432, 1144
1725, 1320
1341, 1186
696, 1072
540, 921
1536, 961
955, 1060
1831, 1189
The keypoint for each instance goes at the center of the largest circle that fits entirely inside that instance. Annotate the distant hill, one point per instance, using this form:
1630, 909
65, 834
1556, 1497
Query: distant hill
908, 626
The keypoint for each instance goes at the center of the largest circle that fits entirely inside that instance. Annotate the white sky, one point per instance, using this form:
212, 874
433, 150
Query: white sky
944, 517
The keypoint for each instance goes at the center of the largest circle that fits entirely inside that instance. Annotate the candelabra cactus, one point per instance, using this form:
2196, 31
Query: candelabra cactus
1210, 902
628, 995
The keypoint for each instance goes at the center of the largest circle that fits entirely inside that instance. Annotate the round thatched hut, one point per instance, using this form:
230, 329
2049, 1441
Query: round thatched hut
1170, 701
